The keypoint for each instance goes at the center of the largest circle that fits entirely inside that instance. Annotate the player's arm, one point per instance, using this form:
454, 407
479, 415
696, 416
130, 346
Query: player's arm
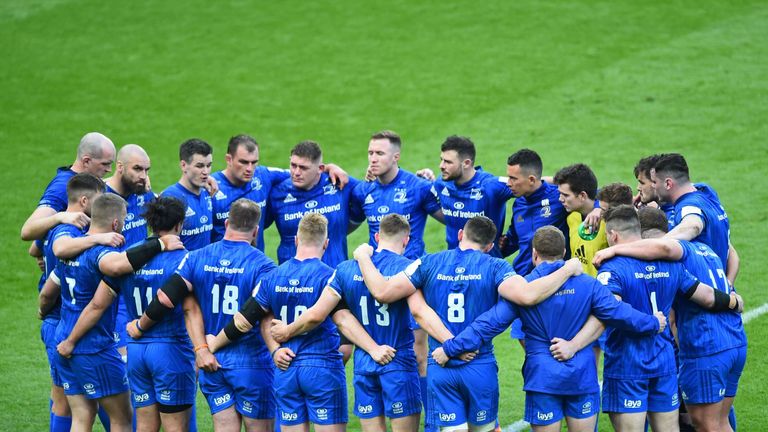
509, 243
427, 318
172, 293
118, 264
243, 322
307, 321
646, 249
66, 247
37, 253
438, 215
88, 318
713, 299
732, 265
688, 229
193, 321
338, 176
351, 328
521, 292
44, 218
622, 316
482, 330
383, 290
563, 350
48, 295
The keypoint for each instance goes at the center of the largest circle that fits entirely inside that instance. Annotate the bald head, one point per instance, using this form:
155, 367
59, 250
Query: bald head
132, 169
131, 151
95, 154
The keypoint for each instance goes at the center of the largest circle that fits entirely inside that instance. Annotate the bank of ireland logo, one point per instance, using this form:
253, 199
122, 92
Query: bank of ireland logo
383, 209
460, 270
129, 217
224, 262
650, 268
293, 282
310, 204
458, 205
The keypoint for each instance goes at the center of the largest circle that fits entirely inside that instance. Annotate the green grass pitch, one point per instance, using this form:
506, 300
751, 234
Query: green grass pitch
600, 82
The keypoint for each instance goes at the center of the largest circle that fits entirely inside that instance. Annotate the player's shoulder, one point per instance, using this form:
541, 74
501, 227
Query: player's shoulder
174, 190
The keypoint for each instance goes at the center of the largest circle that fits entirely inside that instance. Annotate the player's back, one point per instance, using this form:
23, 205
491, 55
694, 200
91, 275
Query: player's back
55, 194
648, 286
716, 232
140, 287
224, 275
460, 285
51, 261
388, 324
701, 332
80, 277
198, 218
288, 292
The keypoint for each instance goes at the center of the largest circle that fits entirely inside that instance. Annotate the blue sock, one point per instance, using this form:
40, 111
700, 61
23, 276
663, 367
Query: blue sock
429, 425
104, 418
61, 424
732, 418
50, 412
193, 419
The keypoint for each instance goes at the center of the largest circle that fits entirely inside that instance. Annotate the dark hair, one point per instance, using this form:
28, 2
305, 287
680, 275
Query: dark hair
615, 194
461, 145
393, 225
529, 161
392, 136
84, 184
652, 218
623, 219
191, 147
480, 230
308, 150
672, 165
107, 207
645, 165
579, 178
244, 140
244, 215
163, 213
549, 242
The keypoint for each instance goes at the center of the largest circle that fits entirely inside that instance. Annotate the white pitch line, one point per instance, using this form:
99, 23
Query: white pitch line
522, 425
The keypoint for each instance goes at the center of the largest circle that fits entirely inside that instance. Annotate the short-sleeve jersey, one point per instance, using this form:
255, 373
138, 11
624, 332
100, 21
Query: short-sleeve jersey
198, 219
50, 260
388, 324
140, 287
223, 276
288, 204
55, 194
460, 285
288, 292
257, 190
584, 249
135, 228
648, 286
80, 277
483, 195
529, 213
701, 332
407, 195
706, 206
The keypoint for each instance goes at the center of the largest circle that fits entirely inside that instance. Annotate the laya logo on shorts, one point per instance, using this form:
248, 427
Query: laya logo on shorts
322, 414
365, 409
481, 415
397, 408
633, 403
545, 416
220, 400
289, 416
141, 397
447, 417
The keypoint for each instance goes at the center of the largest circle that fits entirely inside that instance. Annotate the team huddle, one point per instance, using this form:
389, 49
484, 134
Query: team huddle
144, 296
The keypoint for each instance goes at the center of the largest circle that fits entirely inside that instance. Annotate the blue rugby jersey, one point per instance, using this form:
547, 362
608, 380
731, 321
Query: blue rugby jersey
198, 220
257, 190
137, 290
460, 285
80, 277
135, 228
223, 276
288, 292
530, 213
55, 194
648, 286
288, 204
50, 260
483, 195
388, 324
705, 205
699, 331
407, 195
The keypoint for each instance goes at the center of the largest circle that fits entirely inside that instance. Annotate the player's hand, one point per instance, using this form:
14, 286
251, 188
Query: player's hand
283, 357
662, 320
739, 302
65, 348
426, 174
637, 200
109, 239
338, 176
78, 219
205, 360
132, 329
147, 186
439, 356
363, 251
171, 242
369, 177
212, 186
40, 263
279, 331
210, 340
603, 255
468, 356
574, 266
562, 349
503, 241
592, 221
382, 354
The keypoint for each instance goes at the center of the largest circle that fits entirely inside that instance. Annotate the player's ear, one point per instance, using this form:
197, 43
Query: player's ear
461, 234
488, 247
325, 244
535, 256
177, 228
256, 232
406, 240
226, 224
228, 158
296, 241
376, 237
